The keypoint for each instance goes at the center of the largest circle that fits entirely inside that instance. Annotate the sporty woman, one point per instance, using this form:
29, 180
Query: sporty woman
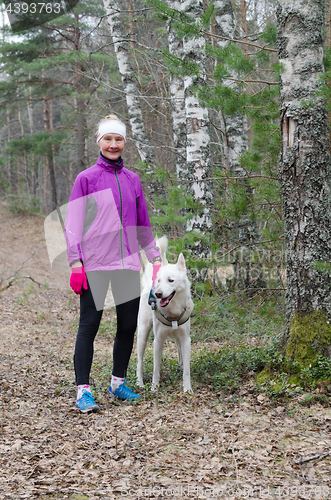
106, 221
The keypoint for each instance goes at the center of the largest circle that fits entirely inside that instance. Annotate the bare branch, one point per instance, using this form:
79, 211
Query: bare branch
313, 457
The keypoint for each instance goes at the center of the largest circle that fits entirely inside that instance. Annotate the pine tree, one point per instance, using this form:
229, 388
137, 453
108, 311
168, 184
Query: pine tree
48, 76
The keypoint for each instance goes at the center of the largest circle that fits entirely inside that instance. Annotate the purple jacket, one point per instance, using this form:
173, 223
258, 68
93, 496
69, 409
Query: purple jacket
107, 219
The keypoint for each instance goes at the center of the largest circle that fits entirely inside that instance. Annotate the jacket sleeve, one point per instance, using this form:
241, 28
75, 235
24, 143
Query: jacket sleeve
144, 231
74, 223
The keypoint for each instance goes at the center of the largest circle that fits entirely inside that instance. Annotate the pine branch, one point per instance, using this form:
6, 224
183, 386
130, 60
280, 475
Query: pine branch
234, 40
251, 81
45, 81
177, 16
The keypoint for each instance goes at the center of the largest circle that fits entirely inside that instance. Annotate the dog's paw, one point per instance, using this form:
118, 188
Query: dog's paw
140, 383
188, 390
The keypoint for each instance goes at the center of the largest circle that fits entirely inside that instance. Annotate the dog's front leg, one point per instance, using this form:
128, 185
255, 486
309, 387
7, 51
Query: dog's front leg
144, 327
158, 345
186, 357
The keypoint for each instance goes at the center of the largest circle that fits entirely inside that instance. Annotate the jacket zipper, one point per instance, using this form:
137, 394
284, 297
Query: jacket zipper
121, 216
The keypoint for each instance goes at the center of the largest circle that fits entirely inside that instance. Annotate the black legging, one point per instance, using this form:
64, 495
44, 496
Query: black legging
125, 285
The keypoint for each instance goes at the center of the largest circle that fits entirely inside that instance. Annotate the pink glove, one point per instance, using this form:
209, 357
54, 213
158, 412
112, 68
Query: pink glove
78, 280
156, 268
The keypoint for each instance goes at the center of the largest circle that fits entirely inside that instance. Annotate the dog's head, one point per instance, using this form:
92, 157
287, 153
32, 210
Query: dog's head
171, 280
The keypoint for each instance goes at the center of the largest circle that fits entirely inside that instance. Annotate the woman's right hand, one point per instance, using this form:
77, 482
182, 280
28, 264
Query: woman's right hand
78, 279
156, 267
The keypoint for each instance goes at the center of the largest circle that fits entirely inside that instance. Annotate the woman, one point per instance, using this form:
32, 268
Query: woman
106, 221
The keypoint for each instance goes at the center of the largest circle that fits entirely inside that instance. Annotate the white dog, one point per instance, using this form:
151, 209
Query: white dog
170, 319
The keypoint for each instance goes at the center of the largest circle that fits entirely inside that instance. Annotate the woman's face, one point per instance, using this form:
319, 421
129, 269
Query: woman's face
111, 146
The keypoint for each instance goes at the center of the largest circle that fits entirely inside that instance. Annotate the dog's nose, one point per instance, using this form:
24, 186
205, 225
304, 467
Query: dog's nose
158, 295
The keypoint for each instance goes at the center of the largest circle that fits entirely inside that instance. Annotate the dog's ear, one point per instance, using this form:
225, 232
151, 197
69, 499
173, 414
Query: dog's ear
181, 263
164, 260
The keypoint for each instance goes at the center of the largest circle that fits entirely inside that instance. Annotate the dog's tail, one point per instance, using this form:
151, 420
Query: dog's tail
162, 243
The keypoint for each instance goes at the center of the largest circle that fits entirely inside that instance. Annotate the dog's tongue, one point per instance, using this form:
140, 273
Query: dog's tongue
164, 302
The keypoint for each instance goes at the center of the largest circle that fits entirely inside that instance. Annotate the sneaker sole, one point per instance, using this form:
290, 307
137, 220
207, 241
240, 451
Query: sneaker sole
113, 398
88, 410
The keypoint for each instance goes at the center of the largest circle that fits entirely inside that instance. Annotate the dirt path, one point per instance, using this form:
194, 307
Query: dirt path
201, 446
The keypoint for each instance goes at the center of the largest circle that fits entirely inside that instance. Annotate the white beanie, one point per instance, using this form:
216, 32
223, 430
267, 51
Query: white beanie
111, 127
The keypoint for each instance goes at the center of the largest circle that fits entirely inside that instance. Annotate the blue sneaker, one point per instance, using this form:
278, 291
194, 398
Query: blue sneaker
86, 403
123, 392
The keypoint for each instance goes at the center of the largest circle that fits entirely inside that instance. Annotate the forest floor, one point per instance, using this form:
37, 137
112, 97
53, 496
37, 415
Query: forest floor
200, 446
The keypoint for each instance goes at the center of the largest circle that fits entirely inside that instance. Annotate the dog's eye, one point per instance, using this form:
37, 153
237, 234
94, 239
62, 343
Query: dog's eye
170, 280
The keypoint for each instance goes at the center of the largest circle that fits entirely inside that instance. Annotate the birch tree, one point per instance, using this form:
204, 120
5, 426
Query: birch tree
121, 47
304, 174
177, 96
199, 167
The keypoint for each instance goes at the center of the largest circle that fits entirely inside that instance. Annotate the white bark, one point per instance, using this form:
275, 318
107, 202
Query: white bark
144, 148
178, 114
305, 170
197, 126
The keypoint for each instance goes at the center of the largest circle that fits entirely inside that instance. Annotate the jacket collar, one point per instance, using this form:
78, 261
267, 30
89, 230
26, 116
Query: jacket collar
110, 164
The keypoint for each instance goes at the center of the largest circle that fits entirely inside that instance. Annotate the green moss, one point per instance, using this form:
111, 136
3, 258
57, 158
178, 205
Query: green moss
310, 336
274, 384
209, 289
295, 379
264, 376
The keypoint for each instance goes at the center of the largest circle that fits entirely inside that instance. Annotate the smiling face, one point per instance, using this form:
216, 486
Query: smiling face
111, 146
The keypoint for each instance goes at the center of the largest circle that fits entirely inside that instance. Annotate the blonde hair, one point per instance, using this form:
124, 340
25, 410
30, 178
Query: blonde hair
109, 117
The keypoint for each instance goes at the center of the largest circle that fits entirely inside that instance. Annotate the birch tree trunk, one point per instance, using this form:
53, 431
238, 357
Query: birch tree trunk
145, 149
304, 175
199, 166
177, 96
113, 10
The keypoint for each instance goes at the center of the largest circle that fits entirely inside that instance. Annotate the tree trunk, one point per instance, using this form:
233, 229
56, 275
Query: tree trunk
34, 169
178, 114
80, 106
304, 175
199, 167
81, 135
48, 126
328, 23
10, 161
144, 148
24, 158
244, 22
